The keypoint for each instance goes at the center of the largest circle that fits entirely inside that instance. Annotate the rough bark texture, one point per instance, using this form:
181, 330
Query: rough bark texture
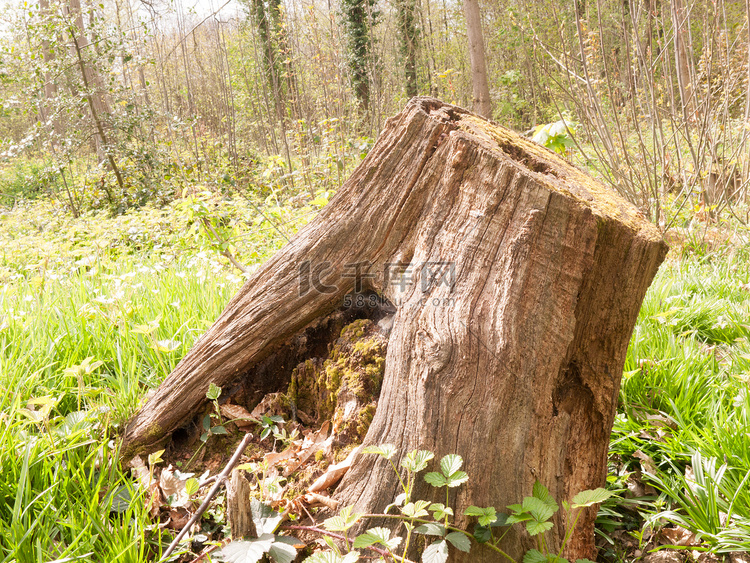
510, 356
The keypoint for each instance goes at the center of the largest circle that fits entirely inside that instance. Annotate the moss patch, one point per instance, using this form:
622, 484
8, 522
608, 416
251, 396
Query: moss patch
344, 386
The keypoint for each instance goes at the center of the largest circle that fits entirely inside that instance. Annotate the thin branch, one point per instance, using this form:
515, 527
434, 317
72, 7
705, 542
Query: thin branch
211, 494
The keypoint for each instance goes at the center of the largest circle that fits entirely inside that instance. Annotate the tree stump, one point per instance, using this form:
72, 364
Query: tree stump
516, 281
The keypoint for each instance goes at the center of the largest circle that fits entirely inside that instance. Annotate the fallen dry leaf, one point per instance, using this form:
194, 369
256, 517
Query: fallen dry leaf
145, 480
678, 536
334, 473
647, 462
174, 487
238, 415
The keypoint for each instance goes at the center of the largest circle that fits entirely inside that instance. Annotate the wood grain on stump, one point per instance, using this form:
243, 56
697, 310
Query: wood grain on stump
516, 281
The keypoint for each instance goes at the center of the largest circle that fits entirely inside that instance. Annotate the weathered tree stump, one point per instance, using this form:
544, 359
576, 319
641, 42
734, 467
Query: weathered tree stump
516, 280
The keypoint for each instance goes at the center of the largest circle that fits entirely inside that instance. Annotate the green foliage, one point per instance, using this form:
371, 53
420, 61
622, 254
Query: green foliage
557, 136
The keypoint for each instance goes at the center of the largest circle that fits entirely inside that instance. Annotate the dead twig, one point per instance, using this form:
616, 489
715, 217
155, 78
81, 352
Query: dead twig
211, 494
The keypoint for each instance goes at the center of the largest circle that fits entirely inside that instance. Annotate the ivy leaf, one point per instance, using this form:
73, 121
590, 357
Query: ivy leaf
385, 450
436, 552
431, 529
534, 556
591, 497
459, 541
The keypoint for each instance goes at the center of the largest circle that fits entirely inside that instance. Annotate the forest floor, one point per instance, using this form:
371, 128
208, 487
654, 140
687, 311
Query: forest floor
95, 311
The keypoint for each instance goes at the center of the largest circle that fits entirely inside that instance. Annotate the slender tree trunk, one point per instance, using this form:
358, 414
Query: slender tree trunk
480, 86
516, 282
408, 37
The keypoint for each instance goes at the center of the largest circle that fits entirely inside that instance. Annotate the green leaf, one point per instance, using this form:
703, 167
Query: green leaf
485, 516
431, 529
191, 486
372, 536
457, 478
385, 450
591, 497
282, 551
332, 557
436, 552
219, 430
542, 493
214, 392
534, 556
482, 534
207, 422
535, 527
415, 509
265, 518
436, 479
345, 520
518, 517
440, 511
247, 551
459, 541
417, 461
450, 464
538, 509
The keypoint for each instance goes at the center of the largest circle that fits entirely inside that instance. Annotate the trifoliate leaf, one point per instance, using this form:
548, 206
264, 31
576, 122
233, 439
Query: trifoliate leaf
372, 536
417, 461
440, 511
485, 516
415, 509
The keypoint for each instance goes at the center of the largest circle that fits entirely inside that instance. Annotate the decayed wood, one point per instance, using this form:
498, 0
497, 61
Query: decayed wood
519, 285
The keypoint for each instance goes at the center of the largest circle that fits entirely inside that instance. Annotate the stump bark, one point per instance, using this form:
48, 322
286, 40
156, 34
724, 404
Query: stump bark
516, 281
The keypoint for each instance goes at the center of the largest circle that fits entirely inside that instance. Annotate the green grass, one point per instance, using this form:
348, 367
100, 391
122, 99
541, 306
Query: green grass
685, 401
96, 311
